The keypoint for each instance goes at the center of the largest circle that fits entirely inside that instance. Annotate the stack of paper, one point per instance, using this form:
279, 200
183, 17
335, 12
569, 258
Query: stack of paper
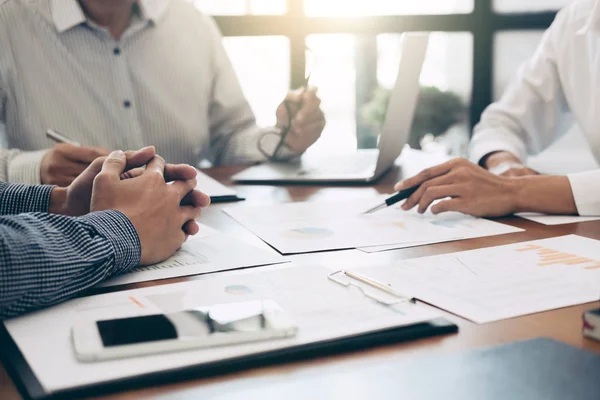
309, 226
501, 282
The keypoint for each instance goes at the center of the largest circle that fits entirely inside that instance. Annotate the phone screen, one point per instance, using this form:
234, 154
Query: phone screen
119, 332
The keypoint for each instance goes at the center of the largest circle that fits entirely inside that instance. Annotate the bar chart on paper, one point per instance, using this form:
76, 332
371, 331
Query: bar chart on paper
548, 257
502, 282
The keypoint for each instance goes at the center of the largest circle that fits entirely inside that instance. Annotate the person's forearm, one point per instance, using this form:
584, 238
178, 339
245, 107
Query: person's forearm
19, 198
543, 194
46, 259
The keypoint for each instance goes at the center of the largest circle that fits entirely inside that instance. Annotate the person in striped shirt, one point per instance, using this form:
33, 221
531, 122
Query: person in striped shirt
126, 74
56, 242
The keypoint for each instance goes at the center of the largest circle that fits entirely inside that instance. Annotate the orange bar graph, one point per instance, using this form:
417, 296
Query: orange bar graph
530, 247
557, 256
554, 257
136, 302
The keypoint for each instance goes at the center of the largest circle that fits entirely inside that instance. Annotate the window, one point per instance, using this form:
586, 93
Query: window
354, 49
242, 7
263, 68
361, 8
333, 72
515, 6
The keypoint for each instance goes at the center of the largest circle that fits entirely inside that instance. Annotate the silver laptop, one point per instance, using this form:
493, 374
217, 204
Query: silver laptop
365, 165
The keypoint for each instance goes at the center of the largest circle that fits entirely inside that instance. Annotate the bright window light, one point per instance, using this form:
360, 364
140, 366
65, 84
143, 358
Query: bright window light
359, 8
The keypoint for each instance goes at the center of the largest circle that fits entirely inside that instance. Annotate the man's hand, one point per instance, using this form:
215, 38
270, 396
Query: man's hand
471, 189
65, 162
503, 163
75, 199
308, 119
153, 206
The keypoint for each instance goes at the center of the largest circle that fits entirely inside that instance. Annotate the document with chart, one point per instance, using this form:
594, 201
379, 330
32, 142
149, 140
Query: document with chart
450, 226
208, 251
502, 282
318, 226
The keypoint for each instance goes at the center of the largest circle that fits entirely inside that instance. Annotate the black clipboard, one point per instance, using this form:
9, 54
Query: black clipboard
30, 388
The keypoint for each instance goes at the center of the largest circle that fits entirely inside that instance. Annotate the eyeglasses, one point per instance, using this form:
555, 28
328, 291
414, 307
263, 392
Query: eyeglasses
291, 109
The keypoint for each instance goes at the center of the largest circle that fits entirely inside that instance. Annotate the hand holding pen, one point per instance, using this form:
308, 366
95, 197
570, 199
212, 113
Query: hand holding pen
390, 201
66, 160
300, 118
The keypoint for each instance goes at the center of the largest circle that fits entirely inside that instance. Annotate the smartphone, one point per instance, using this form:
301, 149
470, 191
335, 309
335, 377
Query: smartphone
217, 325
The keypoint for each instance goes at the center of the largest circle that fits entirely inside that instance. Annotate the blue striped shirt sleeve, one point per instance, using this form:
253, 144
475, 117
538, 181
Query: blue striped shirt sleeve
19, 198
46, 259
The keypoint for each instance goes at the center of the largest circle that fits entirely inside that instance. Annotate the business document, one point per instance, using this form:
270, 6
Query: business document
206, 252
496, 283
318, 226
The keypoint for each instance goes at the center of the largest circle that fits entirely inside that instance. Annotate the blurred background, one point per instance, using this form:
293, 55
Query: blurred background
475, 50
350, 48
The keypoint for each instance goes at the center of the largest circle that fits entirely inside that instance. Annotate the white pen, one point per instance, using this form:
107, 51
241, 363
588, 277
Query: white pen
375, 284
60, 138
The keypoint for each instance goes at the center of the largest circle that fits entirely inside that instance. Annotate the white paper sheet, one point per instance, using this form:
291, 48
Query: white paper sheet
452, 225
216, 190
208, 251
322, 309
556, 219
310, 226
502, 282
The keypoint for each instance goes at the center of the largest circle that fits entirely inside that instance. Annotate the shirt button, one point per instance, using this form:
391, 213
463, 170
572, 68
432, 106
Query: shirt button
116, 51
126, 104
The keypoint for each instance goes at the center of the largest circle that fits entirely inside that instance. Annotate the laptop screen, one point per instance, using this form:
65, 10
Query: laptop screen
389, 113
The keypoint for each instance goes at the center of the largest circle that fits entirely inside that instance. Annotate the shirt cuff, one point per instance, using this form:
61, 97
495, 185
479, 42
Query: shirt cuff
18, 198
586, 192
121, 234
491, 140
25, 167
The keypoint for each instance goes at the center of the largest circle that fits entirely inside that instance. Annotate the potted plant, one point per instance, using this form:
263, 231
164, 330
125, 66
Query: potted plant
436, 111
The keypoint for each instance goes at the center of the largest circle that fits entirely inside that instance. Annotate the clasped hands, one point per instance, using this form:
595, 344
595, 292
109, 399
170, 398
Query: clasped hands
159, 199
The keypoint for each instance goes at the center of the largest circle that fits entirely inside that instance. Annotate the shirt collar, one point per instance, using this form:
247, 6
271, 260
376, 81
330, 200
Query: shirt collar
68, 14
153, 10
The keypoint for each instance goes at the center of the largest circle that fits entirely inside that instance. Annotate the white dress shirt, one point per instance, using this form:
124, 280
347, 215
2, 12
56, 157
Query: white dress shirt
561, 80
167, 82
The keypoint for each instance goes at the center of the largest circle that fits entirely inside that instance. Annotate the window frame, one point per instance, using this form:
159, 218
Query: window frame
483, 23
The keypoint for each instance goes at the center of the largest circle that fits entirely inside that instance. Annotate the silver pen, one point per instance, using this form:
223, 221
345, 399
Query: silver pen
60, 138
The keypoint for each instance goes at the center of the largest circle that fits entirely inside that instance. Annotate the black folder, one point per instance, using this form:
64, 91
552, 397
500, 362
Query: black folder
30, 388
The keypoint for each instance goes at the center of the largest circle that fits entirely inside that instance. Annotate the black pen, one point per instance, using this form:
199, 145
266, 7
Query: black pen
401, 195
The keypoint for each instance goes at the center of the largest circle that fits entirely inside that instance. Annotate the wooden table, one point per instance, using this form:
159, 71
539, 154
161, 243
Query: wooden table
563, 324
